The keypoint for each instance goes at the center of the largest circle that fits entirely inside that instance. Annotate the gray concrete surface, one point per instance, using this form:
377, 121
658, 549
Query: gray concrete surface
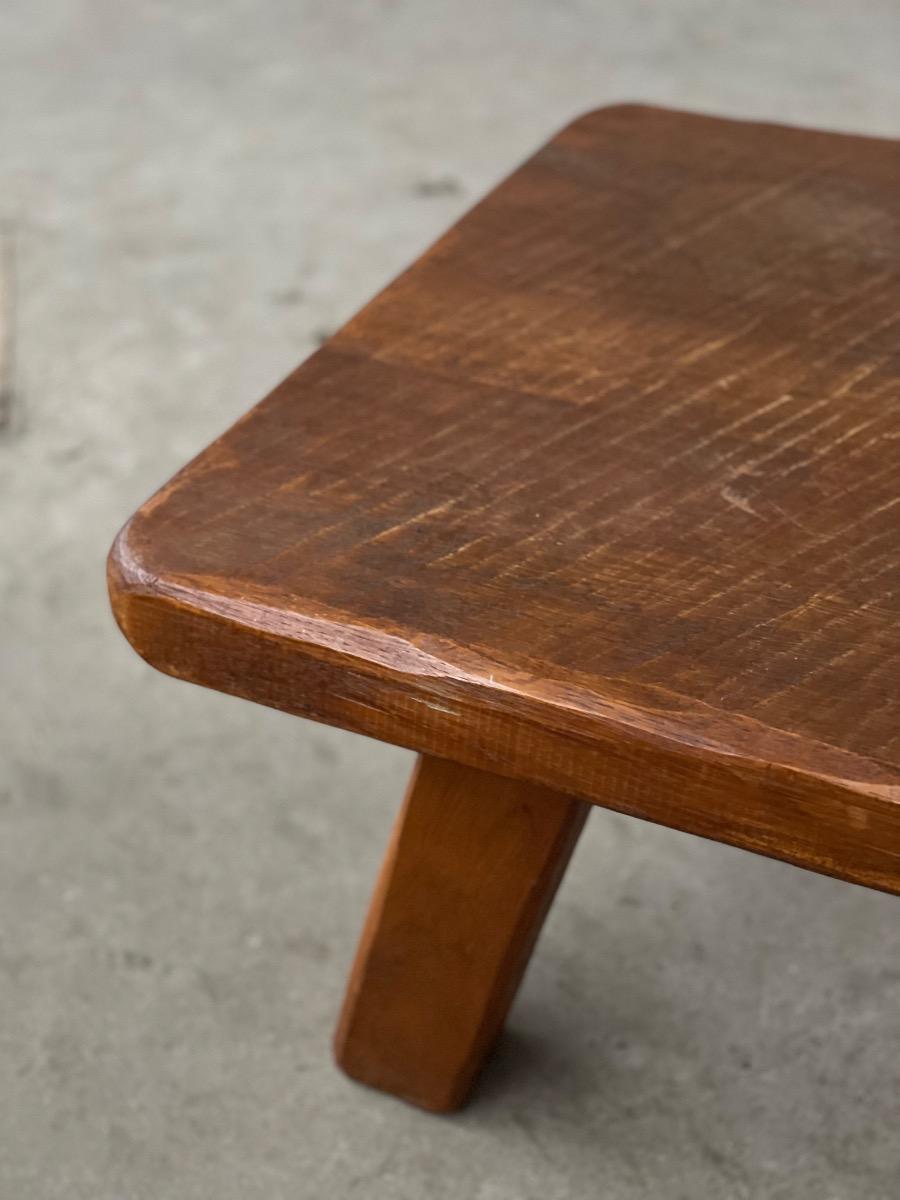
197, 191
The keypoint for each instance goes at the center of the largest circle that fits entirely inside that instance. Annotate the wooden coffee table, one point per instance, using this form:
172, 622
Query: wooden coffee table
598, 503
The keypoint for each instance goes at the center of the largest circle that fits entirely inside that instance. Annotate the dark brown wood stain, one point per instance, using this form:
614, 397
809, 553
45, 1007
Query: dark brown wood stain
602, 494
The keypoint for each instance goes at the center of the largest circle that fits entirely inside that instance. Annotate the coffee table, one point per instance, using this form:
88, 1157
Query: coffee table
598, 503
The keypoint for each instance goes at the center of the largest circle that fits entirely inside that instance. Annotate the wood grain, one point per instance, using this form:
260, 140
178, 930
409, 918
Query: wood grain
473, 866
603, 493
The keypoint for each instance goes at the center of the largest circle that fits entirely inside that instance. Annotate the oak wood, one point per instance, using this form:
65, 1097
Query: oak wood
472, 868
602, 493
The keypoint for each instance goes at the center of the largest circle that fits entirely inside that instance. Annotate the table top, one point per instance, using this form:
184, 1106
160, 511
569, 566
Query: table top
603, 492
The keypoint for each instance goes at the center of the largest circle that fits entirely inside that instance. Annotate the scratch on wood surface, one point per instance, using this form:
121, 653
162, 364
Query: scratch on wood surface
7, 327
439, 708
730, 496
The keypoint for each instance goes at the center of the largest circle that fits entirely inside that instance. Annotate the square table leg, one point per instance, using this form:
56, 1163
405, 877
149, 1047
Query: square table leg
472, 868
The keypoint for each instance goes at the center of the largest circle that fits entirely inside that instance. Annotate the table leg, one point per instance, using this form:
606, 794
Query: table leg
472, 868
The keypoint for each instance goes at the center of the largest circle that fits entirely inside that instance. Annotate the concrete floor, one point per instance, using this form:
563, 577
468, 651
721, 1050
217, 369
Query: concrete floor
195, 193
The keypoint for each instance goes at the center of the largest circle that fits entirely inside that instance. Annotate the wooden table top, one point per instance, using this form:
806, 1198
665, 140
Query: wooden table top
604, 492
